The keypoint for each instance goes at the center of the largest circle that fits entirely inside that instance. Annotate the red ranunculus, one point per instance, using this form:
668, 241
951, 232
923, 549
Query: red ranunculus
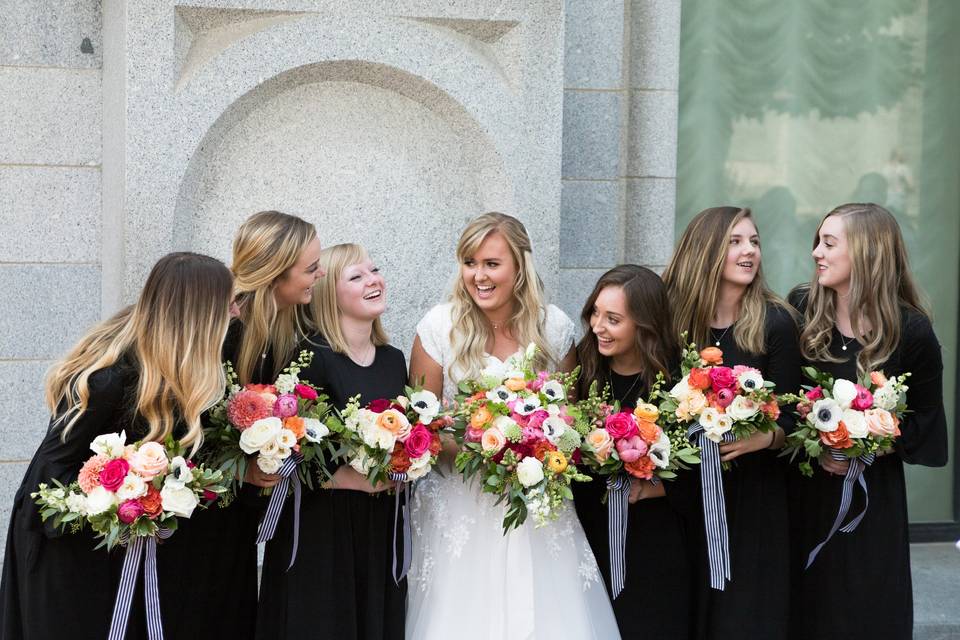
113, 473
722, 378
621, 425
305, 391
379, 405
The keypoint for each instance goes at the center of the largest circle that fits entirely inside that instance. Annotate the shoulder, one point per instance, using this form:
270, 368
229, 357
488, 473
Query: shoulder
392, 354
917, 329
559, 328
111, 381
780, 319
440, 315
797, 297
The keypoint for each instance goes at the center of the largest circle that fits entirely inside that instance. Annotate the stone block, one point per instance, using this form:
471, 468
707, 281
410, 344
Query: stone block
65, 33
50, 116
655, 44
650, 221
25, 414
50, 214
652, 140
593, 45
591, 134
590, 229
54, 304
575, 286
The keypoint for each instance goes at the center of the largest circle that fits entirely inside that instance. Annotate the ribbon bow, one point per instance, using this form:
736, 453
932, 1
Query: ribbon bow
854, 476
268, 525
128, 583
714, 506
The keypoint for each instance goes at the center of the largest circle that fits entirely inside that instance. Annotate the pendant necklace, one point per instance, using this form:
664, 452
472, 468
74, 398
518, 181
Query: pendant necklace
713, 333
844, 342
626, 395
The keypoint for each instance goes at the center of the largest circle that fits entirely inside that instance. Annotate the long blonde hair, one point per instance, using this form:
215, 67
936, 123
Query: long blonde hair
471, 331
880, 284
173, 335
324, 310
268, 243
693, 281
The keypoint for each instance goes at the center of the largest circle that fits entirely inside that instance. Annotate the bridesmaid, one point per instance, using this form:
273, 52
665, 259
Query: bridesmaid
124, 374
628, 341
341, 584
862, 312
720, 299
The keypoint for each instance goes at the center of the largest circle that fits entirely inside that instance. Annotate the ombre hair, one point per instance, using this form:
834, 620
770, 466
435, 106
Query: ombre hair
173, 335
649, 308
471, 330
324, 309
694, 275
267, 245
880, 285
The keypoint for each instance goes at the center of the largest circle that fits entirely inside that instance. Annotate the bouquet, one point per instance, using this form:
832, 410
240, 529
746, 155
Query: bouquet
517, 435
851, 419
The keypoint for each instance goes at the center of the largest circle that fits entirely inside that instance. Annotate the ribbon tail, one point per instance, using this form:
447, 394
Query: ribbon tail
715, 510
152, 592
851, 526
268, 526
617, 505
404, 512
128, 583
296, 519
846, 497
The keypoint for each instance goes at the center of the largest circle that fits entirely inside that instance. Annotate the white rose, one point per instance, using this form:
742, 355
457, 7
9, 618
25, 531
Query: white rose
855, 422
271, 449
178, 499
254, 437
99, 500
844, 392
527, 405
553, 390
426, 405
286, 382
419, 466
750, 380
503, 423
132, 488
287, 438
375, 436
825, 415
529, 471
553, 427
314, 430
77, 503
269, 464
742, 408
708, 418
501, 394
718, 428
659, 451
680, 390
886, 397
109, 444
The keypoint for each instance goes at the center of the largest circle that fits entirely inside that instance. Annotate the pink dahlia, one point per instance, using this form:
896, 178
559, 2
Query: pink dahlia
89, 477
247, 407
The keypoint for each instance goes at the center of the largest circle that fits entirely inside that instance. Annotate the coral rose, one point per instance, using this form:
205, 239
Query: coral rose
645, 411
711, 355
152, 504
399, 459
878, 378
90, 472
699, 378
839, 438
113, 473
641, 468
247, 407
481, 417
771, 409
621, 425
296, 425
435, 444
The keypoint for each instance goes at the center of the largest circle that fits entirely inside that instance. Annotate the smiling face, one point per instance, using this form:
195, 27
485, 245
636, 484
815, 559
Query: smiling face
361, 291
295, 286
612, 324
743, 254
489, 274
832, 255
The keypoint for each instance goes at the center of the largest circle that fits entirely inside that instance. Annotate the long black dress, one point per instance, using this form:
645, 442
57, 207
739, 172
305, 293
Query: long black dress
656, 600
859, 586
341, 585
755, 603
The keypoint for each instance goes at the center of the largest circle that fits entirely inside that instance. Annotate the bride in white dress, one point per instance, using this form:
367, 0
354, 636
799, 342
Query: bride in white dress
469, 580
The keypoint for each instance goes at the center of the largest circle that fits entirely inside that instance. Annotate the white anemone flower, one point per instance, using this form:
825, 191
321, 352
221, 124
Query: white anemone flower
825, 415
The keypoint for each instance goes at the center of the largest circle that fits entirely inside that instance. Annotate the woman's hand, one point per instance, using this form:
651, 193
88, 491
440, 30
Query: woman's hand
346, 477
644, 489
255, 476
836, 467
759, 440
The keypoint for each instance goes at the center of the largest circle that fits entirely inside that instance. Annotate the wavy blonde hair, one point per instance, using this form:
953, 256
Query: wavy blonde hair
267, 245
173, 335
471, 330
324, 309
880, 284
693, 281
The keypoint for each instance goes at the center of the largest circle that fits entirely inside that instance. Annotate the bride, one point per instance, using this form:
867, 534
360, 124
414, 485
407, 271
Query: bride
468, 578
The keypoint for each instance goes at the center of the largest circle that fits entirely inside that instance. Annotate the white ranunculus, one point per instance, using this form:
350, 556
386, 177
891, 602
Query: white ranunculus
99, 500
314, 430
750, 380
376, 436
529, 471
254, 437
553, 427
426, 405
855, 422
844, 392
269, 464
553, 390
287, 438
708, 418
503, 423
77, 503
286, 382
680, 390
180, 471
526, 406
825, 415
132, 488
109, 444
178, 499
742, 408
718, 427
886, 397
501, 394
361, 462
659, 451
419, 466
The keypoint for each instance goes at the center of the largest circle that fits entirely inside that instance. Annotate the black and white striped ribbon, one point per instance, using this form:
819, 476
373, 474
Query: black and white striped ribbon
714, 506
128, 584
854, 476
403, 485
268, 526
618, 495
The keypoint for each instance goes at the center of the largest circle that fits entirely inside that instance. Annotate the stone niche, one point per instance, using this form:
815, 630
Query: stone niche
384, 123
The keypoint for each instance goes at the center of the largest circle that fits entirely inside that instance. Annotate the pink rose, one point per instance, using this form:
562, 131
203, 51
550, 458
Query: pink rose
418, 442
129, 510
621, 425
150, 460
725, 397
285, 406
863, 399
814, 394
473, 435
880, 422
113, 473
630, 449
305, 391
722, 378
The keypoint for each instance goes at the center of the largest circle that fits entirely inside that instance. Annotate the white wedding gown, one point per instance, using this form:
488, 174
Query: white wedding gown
471, 582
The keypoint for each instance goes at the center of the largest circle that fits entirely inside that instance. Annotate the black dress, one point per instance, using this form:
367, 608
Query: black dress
656, 601
341, 585
755, 601
859, 586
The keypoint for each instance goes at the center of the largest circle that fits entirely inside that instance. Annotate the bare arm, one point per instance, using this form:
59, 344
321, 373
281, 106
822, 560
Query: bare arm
426, 369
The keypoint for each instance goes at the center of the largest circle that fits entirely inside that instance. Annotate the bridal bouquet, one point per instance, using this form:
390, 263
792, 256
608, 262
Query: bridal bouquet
395, 439
850, 419
281, 423
517, 435
128, 491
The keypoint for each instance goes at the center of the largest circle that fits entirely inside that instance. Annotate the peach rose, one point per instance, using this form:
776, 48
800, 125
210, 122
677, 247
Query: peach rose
492, 440
149, 461
601, 443
838, 439
711, 355
880, 422
515, 384
481, 417
692, 405
296, 425
645, 411
877, 378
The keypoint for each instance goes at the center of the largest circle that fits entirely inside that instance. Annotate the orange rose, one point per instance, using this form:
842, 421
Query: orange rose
699, 379
296, 425
838, 439
481, 417
646, 411
711, 355
151, 502
641, 468
515, 384
649, 431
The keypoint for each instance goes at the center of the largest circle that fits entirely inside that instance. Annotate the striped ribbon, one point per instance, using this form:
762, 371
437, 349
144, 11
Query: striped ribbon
407, 536
714, 506
618, 495
854, 476
128, 583
268, 526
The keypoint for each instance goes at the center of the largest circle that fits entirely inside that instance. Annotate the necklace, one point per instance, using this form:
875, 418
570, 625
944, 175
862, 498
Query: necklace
367, 358
713, 334
844, 342
626, 395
